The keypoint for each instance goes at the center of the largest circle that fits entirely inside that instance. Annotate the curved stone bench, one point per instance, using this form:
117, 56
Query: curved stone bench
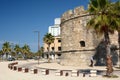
93, 73
75, 73
67, 72
34, 71
45, 71
25, 70
11, 65
59, 72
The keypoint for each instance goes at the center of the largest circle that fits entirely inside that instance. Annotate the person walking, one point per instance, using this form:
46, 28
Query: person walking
91, 60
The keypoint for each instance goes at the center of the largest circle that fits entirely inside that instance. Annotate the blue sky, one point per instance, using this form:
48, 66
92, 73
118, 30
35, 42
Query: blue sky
20, 18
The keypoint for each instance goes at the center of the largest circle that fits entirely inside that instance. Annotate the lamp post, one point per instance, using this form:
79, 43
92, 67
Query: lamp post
12, 49
38, 44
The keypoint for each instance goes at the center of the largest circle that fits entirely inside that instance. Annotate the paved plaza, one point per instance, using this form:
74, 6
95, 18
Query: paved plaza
8, 74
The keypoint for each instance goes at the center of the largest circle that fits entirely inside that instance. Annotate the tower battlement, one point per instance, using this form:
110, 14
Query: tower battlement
78, 11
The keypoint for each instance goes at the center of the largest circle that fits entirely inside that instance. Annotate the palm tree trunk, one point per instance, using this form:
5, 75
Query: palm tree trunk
48, 53
2, 57
108, 56
17, 55
107, 42
6, 55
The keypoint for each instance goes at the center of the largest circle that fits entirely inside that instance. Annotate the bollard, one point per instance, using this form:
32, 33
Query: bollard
45, 71
26, 70
66, 74
19, 69
11, 67
59, 73
75, 73
83, 74
35, 71
15, 67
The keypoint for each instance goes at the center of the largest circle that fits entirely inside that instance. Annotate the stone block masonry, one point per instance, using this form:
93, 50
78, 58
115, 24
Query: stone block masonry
78, 44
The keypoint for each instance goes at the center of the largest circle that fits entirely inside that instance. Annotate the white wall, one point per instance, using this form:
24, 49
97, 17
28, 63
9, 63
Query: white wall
55, 29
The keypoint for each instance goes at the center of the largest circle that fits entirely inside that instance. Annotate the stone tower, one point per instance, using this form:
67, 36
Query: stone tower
78, 43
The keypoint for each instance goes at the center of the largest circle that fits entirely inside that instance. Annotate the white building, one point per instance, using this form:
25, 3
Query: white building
55, 29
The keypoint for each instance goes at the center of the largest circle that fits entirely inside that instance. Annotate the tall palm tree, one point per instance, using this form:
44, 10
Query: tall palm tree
6, 48
25, 50
103, 23
42, 50
17, 49
48, 39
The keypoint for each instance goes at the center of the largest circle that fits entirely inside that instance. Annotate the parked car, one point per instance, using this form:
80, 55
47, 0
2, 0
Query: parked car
11, 59
35, 58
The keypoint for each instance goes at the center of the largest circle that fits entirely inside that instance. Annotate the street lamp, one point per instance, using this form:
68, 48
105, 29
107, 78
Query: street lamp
38, 44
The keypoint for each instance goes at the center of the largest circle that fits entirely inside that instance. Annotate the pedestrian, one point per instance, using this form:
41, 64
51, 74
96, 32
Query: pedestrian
91, 60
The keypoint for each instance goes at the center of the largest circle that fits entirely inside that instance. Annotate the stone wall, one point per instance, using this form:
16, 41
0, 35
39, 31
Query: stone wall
78, 43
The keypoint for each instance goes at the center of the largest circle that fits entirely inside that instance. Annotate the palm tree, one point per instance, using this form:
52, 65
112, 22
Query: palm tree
25, 50
6, 48
103, 23
48, 39
42, 50
17, 49
13, 54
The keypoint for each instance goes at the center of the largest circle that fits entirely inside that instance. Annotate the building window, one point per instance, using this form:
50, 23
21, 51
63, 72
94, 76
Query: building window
47, 48
52, 48
59, 40
59, 48
82, 43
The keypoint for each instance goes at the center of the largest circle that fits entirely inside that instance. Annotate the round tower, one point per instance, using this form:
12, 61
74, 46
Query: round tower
78, 43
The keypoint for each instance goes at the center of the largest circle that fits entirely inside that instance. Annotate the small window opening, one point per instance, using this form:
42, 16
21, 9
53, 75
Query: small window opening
59, 48
82, 43
52, 48
59, 40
